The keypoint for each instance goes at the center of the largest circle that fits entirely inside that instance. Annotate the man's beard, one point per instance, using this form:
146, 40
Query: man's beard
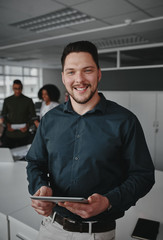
85, 100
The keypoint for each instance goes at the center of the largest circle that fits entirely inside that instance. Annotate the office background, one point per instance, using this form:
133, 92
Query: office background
129, 38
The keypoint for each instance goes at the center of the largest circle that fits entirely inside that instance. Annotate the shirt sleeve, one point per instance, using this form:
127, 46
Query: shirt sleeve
32, 112
37, 167
139, 168
4, 111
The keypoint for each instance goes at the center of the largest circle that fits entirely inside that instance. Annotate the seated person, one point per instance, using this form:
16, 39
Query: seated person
17, 112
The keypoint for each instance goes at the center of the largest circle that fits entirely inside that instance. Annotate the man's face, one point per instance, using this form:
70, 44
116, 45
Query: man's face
17, 89
81, 76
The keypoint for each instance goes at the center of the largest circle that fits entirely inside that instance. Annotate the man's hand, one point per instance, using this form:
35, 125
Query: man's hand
96, 205
24, 129
9, 128
42, 207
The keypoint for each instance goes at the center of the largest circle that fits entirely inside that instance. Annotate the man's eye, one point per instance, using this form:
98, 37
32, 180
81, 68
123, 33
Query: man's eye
88, 70
70, 73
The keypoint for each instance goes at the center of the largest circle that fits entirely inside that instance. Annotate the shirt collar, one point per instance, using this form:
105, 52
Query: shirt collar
101, 106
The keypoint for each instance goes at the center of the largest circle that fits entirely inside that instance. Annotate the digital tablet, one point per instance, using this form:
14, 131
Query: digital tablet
60, 199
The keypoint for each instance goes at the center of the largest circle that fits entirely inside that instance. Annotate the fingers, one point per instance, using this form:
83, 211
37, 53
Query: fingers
81, 209
44, 191
96, 204
43, 207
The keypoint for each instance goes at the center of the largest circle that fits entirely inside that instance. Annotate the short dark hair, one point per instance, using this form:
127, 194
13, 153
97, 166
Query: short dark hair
80, 46
17, 81
52, 90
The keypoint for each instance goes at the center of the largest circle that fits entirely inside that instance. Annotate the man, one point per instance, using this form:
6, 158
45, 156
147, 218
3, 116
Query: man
87, 147
17, 113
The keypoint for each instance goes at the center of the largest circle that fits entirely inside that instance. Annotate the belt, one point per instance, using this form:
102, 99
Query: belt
84, 227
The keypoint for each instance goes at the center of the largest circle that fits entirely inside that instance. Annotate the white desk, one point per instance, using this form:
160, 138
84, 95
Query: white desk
24, 224
13, 187
15, 205
14, 197
150, 207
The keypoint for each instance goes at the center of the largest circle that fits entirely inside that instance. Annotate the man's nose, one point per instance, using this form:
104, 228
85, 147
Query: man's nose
79, 77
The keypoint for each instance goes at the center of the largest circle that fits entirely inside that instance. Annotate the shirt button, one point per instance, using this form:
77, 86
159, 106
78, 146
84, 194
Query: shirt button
76, 158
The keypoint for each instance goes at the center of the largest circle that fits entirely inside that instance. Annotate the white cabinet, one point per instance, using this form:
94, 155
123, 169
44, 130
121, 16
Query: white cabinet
122, 98
143, 105
148, 107
159, 131
18, 230
16, 214
24, 224
3, 227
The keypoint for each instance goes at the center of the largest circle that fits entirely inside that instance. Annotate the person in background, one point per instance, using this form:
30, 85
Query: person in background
87, 147
17, 113
50, 95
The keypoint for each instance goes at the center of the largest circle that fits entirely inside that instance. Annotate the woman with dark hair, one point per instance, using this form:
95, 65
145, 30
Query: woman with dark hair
49, 94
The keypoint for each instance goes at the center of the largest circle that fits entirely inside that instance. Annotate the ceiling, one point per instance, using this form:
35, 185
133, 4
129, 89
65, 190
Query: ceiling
114, 23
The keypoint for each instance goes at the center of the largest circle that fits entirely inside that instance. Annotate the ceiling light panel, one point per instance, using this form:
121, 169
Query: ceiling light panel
54, 20
120, 41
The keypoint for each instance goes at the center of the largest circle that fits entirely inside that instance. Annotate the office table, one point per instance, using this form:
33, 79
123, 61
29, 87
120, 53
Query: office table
15, 209
14, 197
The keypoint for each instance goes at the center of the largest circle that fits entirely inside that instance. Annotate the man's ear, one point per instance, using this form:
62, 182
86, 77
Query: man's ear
63, 80
99, 75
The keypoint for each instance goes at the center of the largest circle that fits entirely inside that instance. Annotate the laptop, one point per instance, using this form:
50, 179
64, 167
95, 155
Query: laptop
5, 155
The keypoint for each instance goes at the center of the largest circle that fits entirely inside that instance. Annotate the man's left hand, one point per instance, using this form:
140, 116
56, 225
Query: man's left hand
24, 129
96, 205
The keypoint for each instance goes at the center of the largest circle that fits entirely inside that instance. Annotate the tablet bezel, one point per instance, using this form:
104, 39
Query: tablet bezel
60, 199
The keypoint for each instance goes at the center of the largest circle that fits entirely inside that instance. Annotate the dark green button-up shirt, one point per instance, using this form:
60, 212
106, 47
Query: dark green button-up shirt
103, 151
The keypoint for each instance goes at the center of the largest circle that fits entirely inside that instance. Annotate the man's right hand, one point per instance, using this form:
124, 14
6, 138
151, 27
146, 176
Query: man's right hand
9, 128
42, 207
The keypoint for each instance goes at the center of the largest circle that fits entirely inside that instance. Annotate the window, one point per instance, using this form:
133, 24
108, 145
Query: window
30, 77
108, 59
144, 56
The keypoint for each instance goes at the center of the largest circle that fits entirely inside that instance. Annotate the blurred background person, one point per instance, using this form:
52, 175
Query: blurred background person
17, 113
49, 94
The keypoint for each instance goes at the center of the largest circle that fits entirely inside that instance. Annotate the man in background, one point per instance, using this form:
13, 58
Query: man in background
87, 147
17, 113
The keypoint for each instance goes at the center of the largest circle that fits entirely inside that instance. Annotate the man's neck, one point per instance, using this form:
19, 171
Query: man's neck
81, 109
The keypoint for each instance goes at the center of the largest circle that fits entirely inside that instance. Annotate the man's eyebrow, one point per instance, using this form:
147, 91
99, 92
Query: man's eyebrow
68, 69
88, 67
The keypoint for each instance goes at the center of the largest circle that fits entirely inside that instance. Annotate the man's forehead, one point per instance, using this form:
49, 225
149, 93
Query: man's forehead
76, 58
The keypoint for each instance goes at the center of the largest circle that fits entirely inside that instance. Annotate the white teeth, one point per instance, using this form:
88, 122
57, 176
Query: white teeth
81, 89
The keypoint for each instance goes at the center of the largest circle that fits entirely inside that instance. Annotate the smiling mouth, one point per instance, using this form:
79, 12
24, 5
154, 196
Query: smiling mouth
81, 88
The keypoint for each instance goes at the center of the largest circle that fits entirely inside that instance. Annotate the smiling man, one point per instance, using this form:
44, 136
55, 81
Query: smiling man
87, 147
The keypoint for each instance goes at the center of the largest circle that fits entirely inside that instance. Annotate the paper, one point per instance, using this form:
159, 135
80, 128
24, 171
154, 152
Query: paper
18, 126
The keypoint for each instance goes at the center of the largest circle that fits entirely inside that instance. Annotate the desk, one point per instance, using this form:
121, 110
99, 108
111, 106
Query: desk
150, 207
14, 197
15, 203
13, 187
24, 224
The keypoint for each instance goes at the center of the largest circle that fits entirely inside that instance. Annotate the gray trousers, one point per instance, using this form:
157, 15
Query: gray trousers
52, 230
